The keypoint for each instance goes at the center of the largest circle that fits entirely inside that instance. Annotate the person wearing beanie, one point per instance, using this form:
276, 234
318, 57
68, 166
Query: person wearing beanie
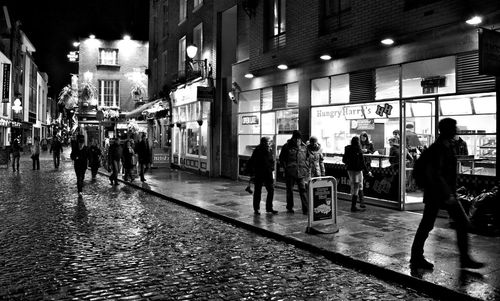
293, 158
440, 168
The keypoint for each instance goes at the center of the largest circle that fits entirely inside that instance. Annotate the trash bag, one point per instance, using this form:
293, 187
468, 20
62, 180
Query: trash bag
485, 212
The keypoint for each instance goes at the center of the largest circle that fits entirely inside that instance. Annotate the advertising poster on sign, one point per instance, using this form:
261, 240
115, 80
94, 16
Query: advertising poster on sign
322, 206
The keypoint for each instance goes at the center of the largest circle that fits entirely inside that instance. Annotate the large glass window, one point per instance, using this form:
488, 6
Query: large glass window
249, 101
330, 90
292, 95
387, 82
182, 53
182, 10
435, 76
198, 40
109, 93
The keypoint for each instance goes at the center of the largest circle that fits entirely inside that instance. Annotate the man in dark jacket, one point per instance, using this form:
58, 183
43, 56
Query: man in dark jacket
80, 156
261, 166
142, 151
293, 158
56, 149
440, 192
114, 157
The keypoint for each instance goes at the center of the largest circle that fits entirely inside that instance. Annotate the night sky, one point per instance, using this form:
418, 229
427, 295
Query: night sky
53, 26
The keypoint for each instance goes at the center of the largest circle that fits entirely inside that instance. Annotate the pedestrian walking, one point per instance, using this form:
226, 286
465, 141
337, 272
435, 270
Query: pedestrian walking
16, 155
35, 153
315, 158
114, 157
80, 157
128, 161
261, 167
56, 149
94, 158
440, 179
142, 150
355, 165
293, 158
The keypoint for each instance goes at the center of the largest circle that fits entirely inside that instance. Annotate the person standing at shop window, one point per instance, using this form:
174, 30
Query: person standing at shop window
35, 154
355, 165
440, 175
261, 167
293, 158
142, 150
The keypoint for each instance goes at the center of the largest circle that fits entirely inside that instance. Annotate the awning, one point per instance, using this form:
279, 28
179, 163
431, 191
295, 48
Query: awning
138, 111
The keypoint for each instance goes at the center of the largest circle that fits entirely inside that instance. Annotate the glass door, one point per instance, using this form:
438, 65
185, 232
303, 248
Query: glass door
417, 134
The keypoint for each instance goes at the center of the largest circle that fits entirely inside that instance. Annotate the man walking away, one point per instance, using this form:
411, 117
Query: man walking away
142, 150
56, 149
114, 157
293, 158
95, 158
16, 154
261, 166
80, 156
440, 192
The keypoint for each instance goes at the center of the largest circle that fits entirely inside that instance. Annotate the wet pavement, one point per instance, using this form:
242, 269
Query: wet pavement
377, 241
123, 243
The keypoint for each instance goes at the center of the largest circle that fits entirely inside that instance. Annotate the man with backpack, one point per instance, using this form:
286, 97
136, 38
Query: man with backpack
437, 176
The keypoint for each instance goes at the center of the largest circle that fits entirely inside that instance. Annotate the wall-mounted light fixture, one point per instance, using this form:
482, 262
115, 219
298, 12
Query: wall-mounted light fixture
126, 37
249, 75
92, 36
203, 65
282, 67
17, 107
387, 41
474, 20
326, 57
76, 44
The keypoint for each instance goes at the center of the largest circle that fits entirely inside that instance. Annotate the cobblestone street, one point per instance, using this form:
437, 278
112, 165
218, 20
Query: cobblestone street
121, 243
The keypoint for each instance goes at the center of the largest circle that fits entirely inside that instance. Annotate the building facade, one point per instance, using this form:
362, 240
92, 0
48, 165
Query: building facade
111, 82
320, 67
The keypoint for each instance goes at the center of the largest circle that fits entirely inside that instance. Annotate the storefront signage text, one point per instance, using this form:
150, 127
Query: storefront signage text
489, 52
6, 83
386, 109
351, 112
249, 120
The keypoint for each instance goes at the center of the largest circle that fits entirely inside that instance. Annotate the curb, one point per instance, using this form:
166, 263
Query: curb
422, 286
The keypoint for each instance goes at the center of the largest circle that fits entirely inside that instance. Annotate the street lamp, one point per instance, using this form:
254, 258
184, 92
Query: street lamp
191, 52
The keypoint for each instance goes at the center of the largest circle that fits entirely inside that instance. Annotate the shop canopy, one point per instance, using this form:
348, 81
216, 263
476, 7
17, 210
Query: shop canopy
138, 111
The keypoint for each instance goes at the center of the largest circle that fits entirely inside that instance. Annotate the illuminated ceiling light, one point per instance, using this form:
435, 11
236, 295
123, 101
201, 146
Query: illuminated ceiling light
282, 67
92, 36
249, 75
76, 44
126, 37
191, 51
387, 41
474, 20
326, 57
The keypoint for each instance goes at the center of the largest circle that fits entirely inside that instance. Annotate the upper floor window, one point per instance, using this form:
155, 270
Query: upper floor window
335, 15
197, 3
108, 56
109, 93
276, 23
182, 10
198, 40
182, 53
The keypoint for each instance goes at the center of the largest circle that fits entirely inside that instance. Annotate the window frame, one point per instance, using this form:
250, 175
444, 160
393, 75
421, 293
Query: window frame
198, 42
182, 54
182, 11
114, 89
104, 61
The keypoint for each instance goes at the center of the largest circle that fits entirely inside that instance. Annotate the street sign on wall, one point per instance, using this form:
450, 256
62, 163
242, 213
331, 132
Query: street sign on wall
6, 83
489, 52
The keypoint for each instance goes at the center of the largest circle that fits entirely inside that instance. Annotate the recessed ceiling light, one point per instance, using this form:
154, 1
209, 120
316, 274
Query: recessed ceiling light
325, 57
474, 20
249, 75
282, 67
387, 41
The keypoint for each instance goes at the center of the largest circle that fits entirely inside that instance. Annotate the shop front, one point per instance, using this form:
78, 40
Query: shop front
191, 107
5, 131
399, 109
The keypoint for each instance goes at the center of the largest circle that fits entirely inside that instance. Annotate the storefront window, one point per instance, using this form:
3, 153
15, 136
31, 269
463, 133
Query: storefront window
204, 139
193, 138
435, 76
249, 123
288, 121
267, 99
320, 92
247, 143
269, 123
292, 95
340, 89
387, 82
249, 101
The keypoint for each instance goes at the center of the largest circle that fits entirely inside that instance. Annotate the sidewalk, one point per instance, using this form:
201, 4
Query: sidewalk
377, 241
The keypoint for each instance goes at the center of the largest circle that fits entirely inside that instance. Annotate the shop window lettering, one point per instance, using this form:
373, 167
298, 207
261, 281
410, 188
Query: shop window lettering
386, 109
360, 111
